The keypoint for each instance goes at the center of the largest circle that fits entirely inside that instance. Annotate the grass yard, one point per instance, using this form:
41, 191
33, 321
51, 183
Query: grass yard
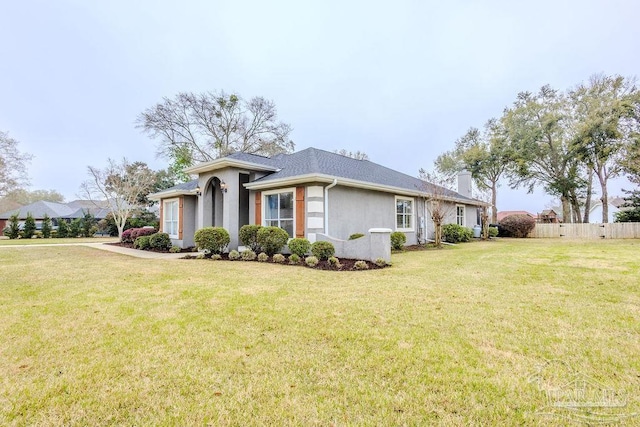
64, 241
444, 337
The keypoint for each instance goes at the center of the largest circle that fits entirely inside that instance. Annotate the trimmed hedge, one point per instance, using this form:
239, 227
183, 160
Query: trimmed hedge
518, 225
454, 233
213, 240
272, 239
160, 241
322, 250
355, 236
398, 239
299, 246
248, 235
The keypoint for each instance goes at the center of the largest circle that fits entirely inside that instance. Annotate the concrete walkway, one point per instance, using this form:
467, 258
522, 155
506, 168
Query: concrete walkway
105, 247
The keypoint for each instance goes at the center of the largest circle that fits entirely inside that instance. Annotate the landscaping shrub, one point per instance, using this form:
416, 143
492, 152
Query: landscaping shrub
75, 228
13, 230
518, 225
29, 228
126, 235
248, 255
454, 233
262, 257
279, 258
293, 259
216, 257
160, 241
175, 249
299, 246
311, 261
334, 262
212, 240
46, 226
234, 255
63, 229
355, 236
322, 250
361, 265
398, 239
248, 235
272, 239
143, 231
493, 231
142, 242
380, 262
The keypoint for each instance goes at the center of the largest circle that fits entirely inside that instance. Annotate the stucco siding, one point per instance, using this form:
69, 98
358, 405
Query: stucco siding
353, 210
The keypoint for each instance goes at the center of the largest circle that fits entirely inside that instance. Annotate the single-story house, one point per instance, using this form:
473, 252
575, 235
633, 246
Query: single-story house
308, 192
55, 211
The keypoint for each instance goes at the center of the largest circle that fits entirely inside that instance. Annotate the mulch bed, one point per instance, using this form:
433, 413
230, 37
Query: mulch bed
130, 246
346, 263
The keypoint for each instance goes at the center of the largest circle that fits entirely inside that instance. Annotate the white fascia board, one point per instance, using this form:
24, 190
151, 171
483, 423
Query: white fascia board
224, 163
303, 179
171, 193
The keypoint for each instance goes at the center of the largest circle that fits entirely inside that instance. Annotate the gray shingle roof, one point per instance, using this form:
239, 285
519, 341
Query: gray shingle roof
39, 209
56, 210
315, 161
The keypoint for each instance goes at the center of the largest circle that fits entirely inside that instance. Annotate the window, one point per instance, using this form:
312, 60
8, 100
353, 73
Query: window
278, 210
404, 214
460, 215
170, 218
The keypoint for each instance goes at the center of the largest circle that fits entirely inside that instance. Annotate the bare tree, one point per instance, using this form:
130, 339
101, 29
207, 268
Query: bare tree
438, 201
201, 127
13, 170
121, 185
358, 155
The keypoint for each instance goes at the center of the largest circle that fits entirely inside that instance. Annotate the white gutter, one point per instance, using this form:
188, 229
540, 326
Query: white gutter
326, 205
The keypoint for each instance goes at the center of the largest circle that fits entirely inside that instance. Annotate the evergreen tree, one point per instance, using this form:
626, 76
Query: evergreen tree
14, 227
29, 228
63, 228
46, 226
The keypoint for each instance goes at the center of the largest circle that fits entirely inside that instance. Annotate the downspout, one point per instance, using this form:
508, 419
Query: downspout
326, 205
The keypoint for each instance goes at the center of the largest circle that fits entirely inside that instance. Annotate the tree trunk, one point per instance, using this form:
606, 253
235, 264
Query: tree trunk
604, 198
587, 203
494, 207
575, 205
566, 209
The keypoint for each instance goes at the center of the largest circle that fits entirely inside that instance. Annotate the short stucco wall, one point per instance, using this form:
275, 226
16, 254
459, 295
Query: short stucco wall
376, 243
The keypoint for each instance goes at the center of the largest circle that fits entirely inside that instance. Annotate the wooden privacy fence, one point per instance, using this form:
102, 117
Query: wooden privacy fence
617, 230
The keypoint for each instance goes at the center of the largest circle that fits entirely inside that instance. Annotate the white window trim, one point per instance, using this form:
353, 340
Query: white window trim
464, 215
413, 213
264, 205
164, 217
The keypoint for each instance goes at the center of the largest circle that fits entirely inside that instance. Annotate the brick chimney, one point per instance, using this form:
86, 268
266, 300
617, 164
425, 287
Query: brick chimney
464, 183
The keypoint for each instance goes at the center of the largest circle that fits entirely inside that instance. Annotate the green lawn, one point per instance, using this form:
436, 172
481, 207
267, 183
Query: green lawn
444, 337
66, 241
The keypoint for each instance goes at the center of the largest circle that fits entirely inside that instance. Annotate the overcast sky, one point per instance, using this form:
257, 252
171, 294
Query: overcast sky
398, 80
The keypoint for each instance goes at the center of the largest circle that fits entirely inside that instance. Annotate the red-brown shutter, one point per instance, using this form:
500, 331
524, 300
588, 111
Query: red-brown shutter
258, 208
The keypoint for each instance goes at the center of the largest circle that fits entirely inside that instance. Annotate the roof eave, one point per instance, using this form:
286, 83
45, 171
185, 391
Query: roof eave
224, 163
301, 179
171, 193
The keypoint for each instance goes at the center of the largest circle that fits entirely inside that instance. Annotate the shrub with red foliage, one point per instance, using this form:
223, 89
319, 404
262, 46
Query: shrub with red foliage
130, 235
518, 225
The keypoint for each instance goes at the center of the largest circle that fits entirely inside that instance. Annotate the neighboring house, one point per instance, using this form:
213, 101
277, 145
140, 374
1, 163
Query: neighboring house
503, 214
55, 211
549, 216
308, 192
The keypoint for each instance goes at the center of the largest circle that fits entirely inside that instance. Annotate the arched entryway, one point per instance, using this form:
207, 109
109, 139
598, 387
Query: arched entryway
213, 203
